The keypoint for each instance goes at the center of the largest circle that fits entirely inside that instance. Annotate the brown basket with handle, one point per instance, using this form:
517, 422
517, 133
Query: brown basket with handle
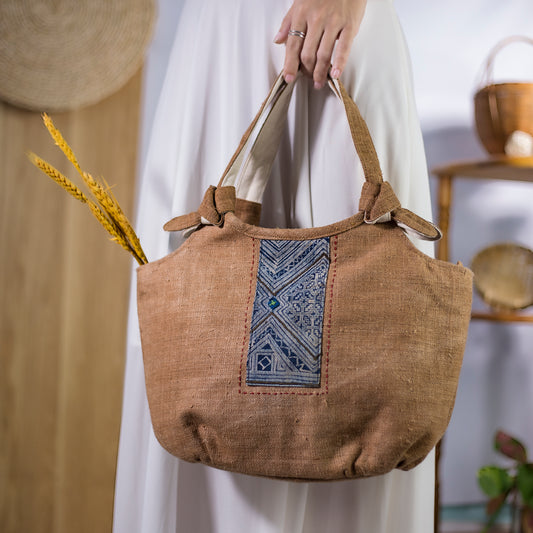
502, 108
503, 276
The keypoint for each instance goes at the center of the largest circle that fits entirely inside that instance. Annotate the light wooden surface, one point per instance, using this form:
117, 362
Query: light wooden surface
64, 295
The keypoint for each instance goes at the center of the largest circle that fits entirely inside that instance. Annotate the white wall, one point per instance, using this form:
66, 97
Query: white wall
449, 42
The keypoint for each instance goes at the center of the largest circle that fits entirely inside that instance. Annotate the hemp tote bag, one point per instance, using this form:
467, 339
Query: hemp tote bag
305, 354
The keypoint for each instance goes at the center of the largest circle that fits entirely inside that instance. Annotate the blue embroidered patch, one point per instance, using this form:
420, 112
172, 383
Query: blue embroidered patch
286, 328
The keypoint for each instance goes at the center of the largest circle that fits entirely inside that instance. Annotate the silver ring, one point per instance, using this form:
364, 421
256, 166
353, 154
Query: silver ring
297, 33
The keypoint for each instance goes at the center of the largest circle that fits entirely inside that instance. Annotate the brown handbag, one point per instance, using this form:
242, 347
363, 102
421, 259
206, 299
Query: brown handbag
304, 354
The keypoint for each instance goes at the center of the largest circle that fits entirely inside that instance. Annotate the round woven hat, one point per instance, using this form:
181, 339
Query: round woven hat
59, 55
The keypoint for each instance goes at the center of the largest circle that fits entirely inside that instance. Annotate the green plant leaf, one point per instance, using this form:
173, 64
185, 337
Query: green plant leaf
527, 520
510, 447
494, 480
524, 480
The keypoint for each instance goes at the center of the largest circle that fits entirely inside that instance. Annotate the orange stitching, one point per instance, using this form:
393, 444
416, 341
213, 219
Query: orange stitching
246, 326
334, 275
281, 393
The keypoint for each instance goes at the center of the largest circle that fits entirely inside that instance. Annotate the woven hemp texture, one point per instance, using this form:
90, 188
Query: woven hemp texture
288, 313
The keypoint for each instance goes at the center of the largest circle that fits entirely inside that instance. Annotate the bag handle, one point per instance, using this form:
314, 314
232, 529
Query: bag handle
268, 120
487, 76
378, 203
260, 149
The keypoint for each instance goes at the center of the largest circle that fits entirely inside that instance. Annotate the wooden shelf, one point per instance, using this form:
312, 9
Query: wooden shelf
496, 168
501, 316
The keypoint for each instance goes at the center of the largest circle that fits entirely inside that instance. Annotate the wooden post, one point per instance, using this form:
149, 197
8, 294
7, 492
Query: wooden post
445, 199
444, 202
436, 523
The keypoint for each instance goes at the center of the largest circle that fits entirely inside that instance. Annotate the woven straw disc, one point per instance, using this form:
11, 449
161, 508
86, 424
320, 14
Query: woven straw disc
59, 55
503, 275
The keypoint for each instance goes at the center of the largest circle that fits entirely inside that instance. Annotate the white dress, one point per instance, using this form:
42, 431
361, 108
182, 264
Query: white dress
222, 65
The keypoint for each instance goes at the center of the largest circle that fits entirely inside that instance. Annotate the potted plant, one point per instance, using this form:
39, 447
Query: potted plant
513, 484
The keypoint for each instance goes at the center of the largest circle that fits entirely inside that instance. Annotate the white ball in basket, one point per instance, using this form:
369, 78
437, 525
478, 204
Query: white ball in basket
519, 144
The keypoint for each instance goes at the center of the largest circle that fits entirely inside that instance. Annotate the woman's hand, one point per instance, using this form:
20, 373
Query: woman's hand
323, 22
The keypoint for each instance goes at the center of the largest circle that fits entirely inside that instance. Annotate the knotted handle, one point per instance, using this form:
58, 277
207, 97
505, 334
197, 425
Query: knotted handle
487, 76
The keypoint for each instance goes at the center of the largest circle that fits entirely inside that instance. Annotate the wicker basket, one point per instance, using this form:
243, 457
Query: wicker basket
502, 108
503, 275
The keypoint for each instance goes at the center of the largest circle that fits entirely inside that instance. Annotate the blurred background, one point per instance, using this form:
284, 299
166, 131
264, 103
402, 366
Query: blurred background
64, 289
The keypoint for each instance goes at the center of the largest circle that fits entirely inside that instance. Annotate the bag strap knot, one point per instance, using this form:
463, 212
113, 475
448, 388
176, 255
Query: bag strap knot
216, 203
379, 203
377, 200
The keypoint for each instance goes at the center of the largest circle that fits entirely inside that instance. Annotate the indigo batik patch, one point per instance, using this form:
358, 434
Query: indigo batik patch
288, 314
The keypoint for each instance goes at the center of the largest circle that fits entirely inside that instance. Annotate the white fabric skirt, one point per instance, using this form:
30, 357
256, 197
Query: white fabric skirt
222, 64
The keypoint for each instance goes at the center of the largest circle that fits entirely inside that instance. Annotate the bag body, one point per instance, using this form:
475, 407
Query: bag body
305, 354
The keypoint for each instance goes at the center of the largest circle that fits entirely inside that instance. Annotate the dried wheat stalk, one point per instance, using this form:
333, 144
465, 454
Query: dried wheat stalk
113, 210
60, 141
111, 228
59, 178
105, 208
